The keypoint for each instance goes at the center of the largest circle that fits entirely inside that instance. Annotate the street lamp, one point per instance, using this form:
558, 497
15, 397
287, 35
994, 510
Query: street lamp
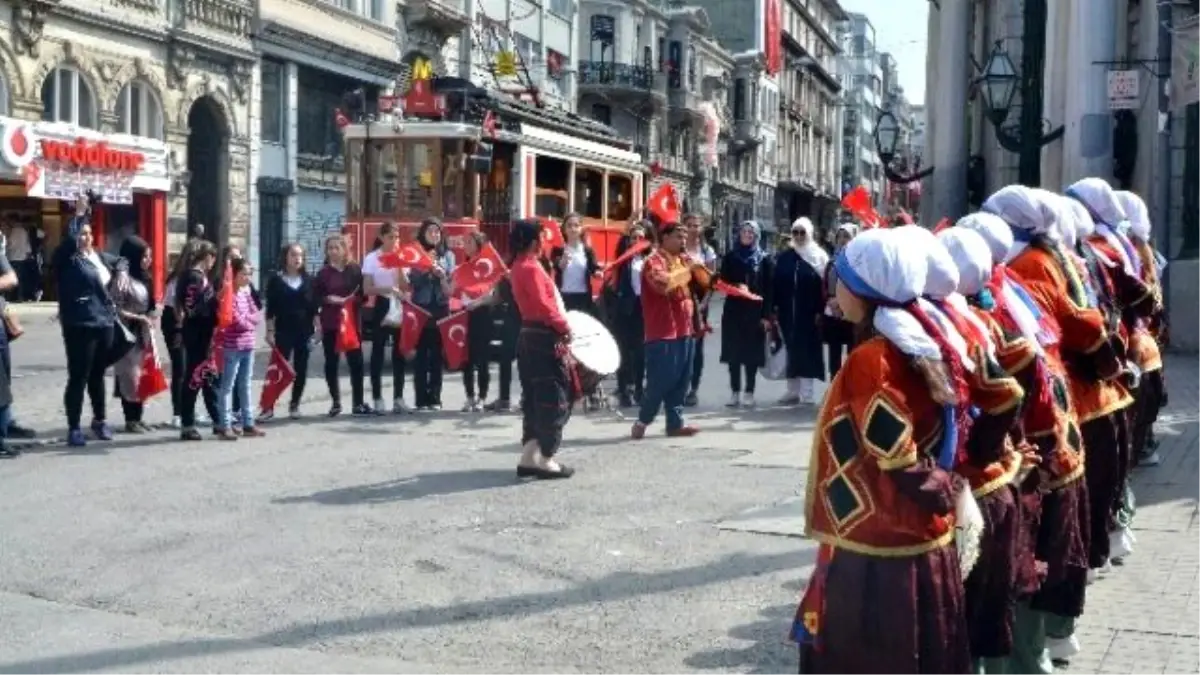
999, 84
887, 134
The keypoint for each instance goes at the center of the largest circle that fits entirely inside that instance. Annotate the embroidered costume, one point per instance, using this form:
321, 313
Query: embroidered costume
877, 500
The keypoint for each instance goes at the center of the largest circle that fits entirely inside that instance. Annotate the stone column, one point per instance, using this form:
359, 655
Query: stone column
932, 55
1087, 145
950, 100
291, 79
1054, 85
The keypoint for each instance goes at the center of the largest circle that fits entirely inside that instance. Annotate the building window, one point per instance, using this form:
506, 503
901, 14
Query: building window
739, 99
344, 4
66, 97
273, 97
139, 112
563, 8
602, 113
662, 55
530, 50
692, 67
602, 36
374, 9
319, 93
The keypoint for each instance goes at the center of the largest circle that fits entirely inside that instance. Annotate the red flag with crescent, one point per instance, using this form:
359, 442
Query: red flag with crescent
411, 327
278, 378
225, 300
477, 276
411, 255
551, 237
734, 292
858, 203
663, 204
454, 339
347, 338
610, 272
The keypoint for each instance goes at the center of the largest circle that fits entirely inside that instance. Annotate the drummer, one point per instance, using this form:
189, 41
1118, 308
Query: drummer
668, 309
543, 361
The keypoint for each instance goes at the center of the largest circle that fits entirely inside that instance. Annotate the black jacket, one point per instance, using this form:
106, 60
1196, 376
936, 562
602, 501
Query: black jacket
83, 299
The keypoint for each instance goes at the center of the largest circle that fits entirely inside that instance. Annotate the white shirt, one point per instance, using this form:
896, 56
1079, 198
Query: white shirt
704, 254
575, 276
18, 244
384, 279
101, 268
635, 269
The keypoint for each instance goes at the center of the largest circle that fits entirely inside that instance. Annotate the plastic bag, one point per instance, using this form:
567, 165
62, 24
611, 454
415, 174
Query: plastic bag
153, 381
395, 314
776, 359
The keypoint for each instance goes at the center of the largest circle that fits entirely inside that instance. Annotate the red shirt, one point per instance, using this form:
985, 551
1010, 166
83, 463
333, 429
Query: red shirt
534, 292
666, 301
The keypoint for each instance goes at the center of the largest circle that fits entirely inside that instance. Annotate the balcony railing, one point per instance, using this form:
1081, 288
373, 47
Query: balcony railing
607, 74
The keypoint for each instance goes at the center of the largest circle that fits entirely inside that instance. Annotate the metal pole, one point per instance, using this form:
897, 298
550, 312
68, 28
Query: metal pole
1033, 59
1163, 198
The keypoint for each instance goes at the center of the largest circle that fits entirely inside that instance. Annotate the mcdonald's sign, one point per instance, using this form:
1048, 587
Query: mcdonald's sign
420, 100
422, 69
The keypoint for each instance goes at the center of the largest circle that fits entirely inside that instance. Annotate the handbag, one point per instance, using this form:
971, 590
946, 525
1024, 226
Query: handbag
395, 313
12, 325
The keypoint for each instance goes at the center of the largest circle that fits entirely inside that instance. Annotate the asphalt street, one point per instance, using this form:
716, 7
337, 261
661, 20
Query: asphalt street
405, 544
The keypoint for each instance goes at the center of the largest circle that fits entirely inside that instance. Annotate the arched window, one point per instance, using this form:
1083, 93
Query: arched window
66, 97
139, 112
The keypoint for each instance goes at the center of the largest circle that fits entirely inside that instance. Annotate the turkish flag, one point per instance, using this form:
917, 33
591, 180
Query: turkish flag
411, 255
942, 224
735, 292
347, 338
153, 381
454, 339
411, 327
278, 378
477, 276
858, 203
663, 204
551, 237
610, 272
225, 300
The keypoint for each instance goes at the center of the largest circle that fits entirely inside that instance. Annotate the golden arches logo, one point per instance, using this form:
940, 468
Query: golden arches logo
422, 69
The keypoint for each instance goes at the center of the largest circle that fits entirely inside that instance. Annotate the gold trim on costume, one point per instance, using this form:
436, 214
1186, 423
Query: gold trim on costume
902, 442
883, 551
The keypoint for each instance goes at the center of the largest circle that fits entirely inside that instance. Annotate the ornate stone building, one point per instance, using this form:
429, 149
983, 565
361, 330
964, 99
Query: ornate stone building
178, 71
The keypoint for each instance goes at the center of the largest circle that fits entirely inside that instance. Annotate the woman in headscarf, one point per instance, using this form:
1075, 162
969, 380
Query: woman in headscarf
1060, 287
799, 299
836, 332
1152, 393
1052, 575
131, 292
543, 358
744, 322
881, 496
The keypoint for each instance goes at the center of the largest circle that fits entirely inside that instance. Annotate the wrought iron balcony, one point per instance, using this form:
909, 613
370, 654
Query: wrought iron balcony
618, 79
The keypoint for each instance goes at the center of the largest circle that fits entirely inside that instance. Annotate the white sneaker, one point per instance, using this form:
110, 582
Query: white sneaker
400, 407
380, 408
470, 405
735, 401
1062, 649
175, 422
789, 400
1119, 543
748, 401
1092, 575
478, 407
1153, 459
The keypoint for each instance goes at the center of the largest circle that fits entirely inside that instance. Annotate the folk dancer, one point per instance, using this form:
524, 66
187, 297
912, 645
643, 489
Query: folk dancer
1152, 393
668, 311
1053, 277
881, 498
544, 364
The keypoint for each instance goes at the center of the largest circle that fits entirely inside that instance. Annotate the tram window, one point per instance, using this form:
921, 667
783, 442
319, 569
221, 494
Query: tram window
620, 197
420, 177
354, 177
384, 164
589, 192
459, 198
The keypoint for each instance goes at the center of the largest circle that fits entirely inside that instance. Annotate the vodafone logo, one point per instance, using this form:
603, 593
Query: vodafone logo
18, 145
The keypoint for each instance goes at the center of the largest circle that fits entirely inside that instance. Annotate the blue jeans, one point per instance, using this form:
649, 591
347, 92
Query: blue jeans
668, 376
237, 373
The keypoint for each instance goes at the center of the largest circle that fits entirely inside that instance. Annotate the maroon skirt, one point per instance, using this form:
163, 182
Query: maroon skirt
1106, 444
1149, 401
991, 586
892, 615
1062, 544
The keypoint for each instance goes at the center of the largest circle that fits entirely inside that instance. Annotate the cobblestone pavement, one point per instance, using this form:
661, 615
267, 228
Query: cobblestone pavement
403, 544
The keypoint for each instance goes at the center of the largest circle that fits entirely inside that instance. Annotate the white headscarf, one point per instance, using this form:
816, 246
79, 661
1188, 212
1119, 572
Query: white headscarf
941, 281
1111, 221
1138, 214
1027, 212
849, 228
810, 251
998, 236
885, 266
973, 258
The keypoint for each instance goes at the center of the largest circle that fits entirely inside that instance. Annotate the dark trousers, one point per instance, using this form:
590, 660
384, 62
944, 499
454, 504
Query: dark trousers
87, 356
631, 341
506, 377
427, 367
29, 278
296, 349
735, 378
477, 372
178, 381
196, 342
697, 362
354, 359
133, 410
668, 375
380, 338
580, 302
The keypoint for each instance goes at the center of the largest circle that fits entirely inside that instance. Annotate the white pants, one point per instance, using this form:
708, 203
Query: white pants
802, 387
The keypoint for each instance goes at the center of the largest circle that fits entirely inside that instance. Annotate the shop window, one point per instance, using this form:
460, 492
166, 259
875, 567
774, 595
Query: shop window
274, 97
589, 192
139, 112
620, 197
66, 97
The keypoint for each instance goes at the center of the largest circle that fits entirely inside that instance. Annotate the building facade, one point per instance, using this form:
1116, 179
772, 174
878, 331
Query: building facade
313, 55
809, 135
176, 73
862, 104
544, 37
897, 196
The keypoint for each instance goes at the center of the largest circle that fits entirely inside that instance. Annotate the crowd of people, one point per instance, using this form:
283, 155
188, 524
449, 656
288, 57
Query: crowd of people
970, 469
